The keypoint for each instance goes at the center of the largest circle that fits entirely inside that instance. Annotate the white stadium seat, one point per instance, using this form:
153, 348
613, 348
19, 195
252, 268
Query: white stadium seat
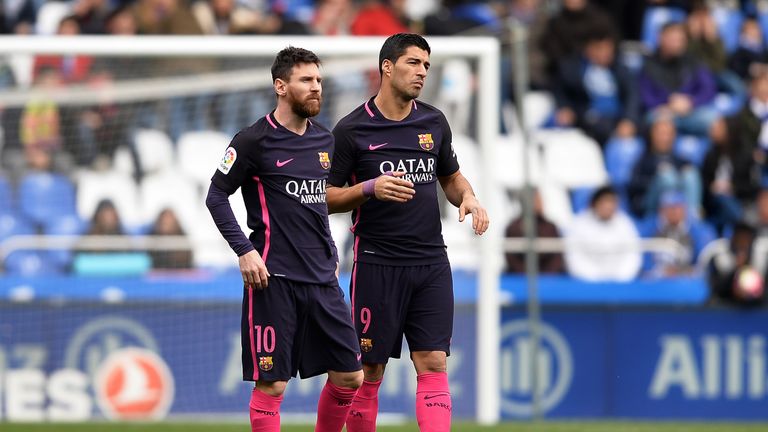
200, 152
571, 159
154, 149
94, 186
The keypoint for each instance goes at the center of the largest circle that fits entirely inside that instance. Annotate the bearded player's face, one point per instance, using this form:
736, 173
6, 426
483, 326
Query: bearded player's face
304, 90
409, 72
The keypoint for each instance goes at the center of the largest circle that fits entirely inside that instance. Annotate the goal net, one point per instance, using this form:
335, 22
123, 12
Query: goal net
118, 297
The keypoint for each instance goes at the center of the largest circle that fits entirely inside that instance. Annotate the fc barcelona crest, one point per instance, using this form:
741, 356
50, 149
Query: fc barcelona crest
265, 363
366, 345
325, 161
425, 141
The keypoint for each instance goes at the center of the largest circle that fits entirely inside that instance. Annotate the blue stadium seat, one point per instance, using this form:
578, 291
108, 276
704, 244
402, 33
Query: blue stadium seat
691, 148
6, 196
580, 198
728, 21
620, 158
42, 195
67, 225
20, 262
654, 19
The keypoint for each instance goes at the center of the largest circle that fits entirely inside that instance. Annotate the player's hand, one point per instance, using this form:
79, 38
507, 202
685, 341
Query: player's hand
393, 188
470, 205
254, 270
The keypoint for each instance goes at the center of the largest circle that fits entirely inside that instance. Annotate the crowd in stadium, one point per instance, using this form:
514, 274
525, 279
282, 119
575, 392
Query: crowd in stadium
674, 92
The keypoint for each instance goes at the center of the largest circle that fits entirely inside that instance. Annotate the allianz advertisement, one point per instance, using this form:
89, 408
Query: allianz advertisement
76, 362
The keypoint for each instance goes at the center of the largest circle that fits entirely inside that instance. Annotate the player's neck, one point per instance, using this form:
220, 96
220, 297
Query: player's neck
289, 120
390, 106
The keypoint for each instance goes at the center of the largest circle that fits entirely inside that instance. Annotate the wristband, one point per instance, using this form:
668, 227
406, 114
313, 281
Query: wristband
369, 188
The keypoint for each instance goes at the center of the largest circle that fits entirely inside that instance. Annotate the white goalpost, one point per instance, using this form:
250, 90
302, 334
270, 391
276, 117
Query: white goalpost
337, 54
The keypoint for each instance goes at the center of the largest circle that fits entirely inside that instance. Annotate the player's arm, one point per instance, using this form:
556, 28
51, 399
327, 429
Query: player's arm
459, 193
224, 183
386, 187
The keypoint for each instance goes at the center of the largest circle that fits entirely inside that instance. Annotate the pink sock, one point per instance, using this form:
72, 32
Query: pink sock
265, 412
333, 407
433, 402
365, 407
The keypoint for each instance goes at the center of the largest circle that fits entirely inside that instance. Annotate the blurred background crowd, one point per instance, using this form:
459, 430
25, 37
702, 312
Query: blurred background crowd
674, 94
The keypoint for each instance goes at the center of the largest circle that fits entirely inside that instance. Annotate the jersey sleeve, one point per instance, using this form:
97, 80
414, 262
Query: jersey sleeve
344, 156
447, 163
238, 163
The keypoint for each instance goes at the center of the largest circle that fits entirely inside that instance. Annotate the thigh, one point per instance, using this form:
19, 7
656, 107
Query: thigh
379, 296
269, 323
329, 342
429, 322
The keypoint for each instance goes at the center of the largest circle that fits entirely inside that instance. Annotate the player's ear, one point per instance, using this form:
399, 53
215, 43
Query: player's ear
386, 67
280, 87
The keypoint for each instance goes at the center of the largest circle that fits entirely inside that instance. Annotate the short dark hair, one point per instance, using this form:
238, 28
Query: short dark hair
290, 57
601, 192
672, 25
396, 45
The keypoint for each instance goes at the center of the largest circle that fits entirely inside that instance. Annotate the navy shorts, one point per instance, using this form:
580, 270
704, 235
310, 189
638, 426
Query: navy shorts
292, 327
389, 301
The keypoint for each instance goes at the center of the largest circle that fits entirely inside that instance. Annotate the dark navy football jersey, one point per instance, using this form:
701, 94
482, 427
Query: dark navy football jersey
368, 145
283, 177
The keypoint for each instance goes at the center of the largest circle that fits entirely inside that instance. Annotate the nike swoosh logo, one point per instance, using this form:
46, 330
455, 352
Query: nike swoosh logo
376, 146
281, 164
426, 397
359, 356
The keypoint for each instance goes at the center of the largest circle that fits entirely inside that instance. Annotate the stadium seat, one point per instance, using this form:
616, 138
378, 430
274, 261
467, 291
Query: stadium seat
728, 21
691, 148
154, 149
654, 19
557, 204
455, 94
508, 161
539, 108
49, 16
44, 194
459, 237
173, 190
199, 154
620, 158
123, 161
120, 188
571, 159
19, 262
68, 225
468, 153
7, 204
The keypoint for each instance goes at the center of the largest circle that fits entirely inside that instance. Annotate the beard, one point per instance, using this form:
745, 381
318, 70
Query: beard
307, 108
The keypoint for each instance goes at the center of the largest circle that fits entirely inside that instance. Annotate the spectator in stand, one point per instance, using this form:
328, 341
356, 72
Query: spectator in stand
672, 83
730, 177
761, 213
380, 18
706, 46
167, 224
733, 278
225, 17
568, 31
40, 125
165, 17
73, 69
659, 171
751, 51
594, 92
602, 243
673, 222
91, 15
750, 123
333, 17
533, 15
548, 262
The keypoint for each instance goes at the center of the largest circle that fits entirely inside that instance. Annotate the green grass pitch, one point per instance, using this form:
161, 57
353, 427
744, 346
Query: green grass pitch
459, 427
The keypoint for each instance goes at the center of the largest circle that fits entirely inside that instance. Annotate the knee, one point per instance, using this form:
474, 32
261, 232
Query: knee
272, 388
350, 380
373, 372
430, 361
